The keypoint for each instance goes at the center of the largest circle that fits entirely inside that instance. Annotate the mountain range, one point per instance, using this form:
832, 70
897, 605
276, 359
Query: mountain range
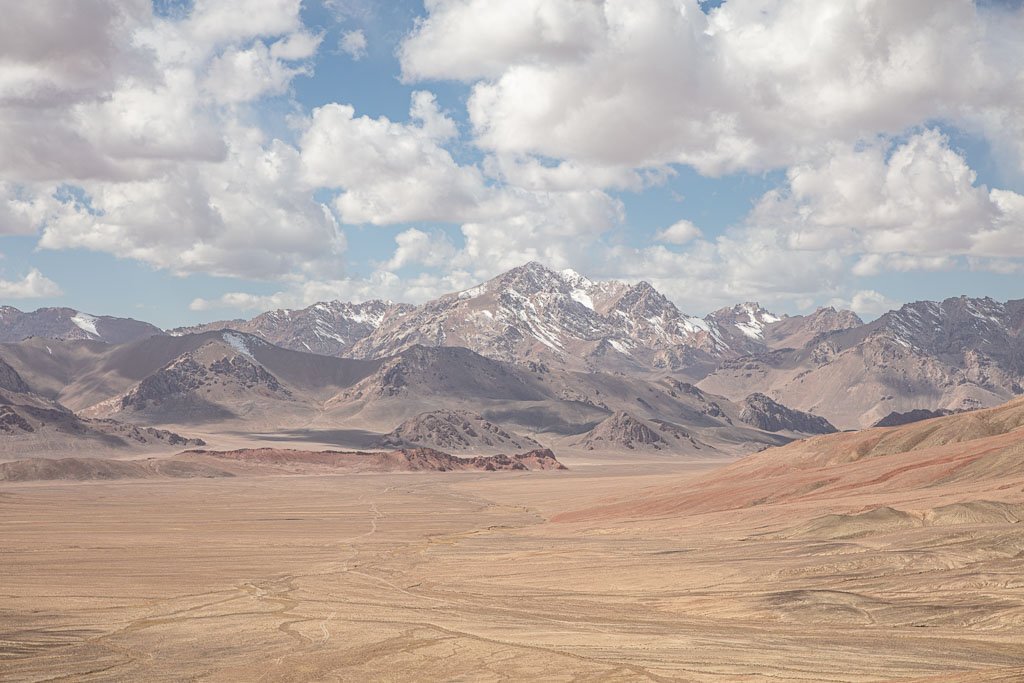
549, 354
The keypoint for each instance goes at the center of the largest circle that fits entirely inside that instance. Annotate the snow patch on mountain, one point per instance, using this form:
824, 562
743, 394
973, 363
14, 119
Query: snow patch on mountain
238, 343
472, 292
85, 322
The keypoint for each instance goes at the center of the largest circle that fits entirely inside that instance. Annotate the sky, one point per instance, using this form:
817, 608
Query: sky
185, 161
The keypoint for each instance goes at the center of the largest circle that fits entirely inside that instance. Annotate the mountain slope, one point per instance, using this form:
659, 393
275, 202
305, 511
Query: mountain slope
798, 330
744, 325
764, 413
959, 354
623, 431
81, 374
329, 328
230, 376
457, 430
31, 424
67, 323
532, 314
965, 461
560, 403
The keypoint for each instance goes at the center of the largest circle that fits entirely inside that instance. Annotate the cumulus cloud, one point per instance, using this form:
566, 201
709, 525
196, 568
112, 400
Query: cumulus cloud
243, 75
867, 303
112, 92
415, 246
34, 285
752, 84
22, 211
854, 212
749, 263
472, 39
680, 232
389, 172
133, 134
353, 43
248, 216
124, 136
911, 206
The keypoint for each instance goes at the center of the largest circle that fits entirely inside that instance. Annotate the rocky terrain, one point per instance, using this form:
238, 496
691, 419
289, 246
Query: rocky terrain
456, 430
449, 398
200, 378
959, 354
764, 413
895, 419
67, 323
794, 332
401, 460
622, 431
744, 325
217, 381
269, 461
976, 454
538, 400
330, 328
532, 314
533, 350
33, 424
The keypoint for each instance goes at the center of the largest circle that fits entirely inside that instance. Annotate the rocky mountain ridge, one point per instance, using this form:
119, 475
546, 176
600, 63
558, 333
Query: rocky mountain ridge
961, 353
68, 323
329, 328
957, 354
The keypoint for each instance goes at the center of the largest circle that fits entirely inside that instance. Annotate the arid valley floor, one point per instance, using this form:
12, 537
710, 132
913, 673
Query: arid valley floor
500, 576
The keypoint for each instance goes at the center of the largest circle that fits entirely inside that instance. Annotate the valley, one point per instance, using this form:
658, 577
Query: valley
542, 477
489, 341
491, 577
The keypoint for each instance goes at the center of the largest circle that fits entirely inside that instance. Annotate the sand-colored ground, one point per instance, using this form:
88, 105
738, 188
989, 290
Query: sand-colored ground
461, 576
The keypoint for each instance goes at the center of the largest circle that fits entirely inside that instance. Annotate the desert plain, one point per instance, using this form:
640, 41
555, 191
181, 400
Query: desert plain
621, 568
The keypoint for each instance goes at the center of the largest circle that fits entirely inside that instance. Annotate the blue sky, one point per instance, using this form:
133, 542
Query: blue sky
233, 157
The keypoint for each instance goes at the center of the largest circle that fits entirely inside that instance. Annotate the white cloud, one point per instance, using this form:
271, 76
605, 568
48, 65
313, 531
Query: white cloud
680, 232
243, 75
852, 212
914, 206
754, 84
472, 39
867, 303
217, 22
415, 246
128, 110
390, 172
745, 264
248, 216
873, 264
34, 285
150, 119
353, 43
296, 46
99, 89
532, 173
22, 211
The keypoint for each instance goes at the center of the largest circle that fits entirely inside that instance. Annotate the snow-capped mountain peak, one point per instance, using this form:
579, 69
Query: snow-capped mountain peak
532, 313
327, 327
749, 319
